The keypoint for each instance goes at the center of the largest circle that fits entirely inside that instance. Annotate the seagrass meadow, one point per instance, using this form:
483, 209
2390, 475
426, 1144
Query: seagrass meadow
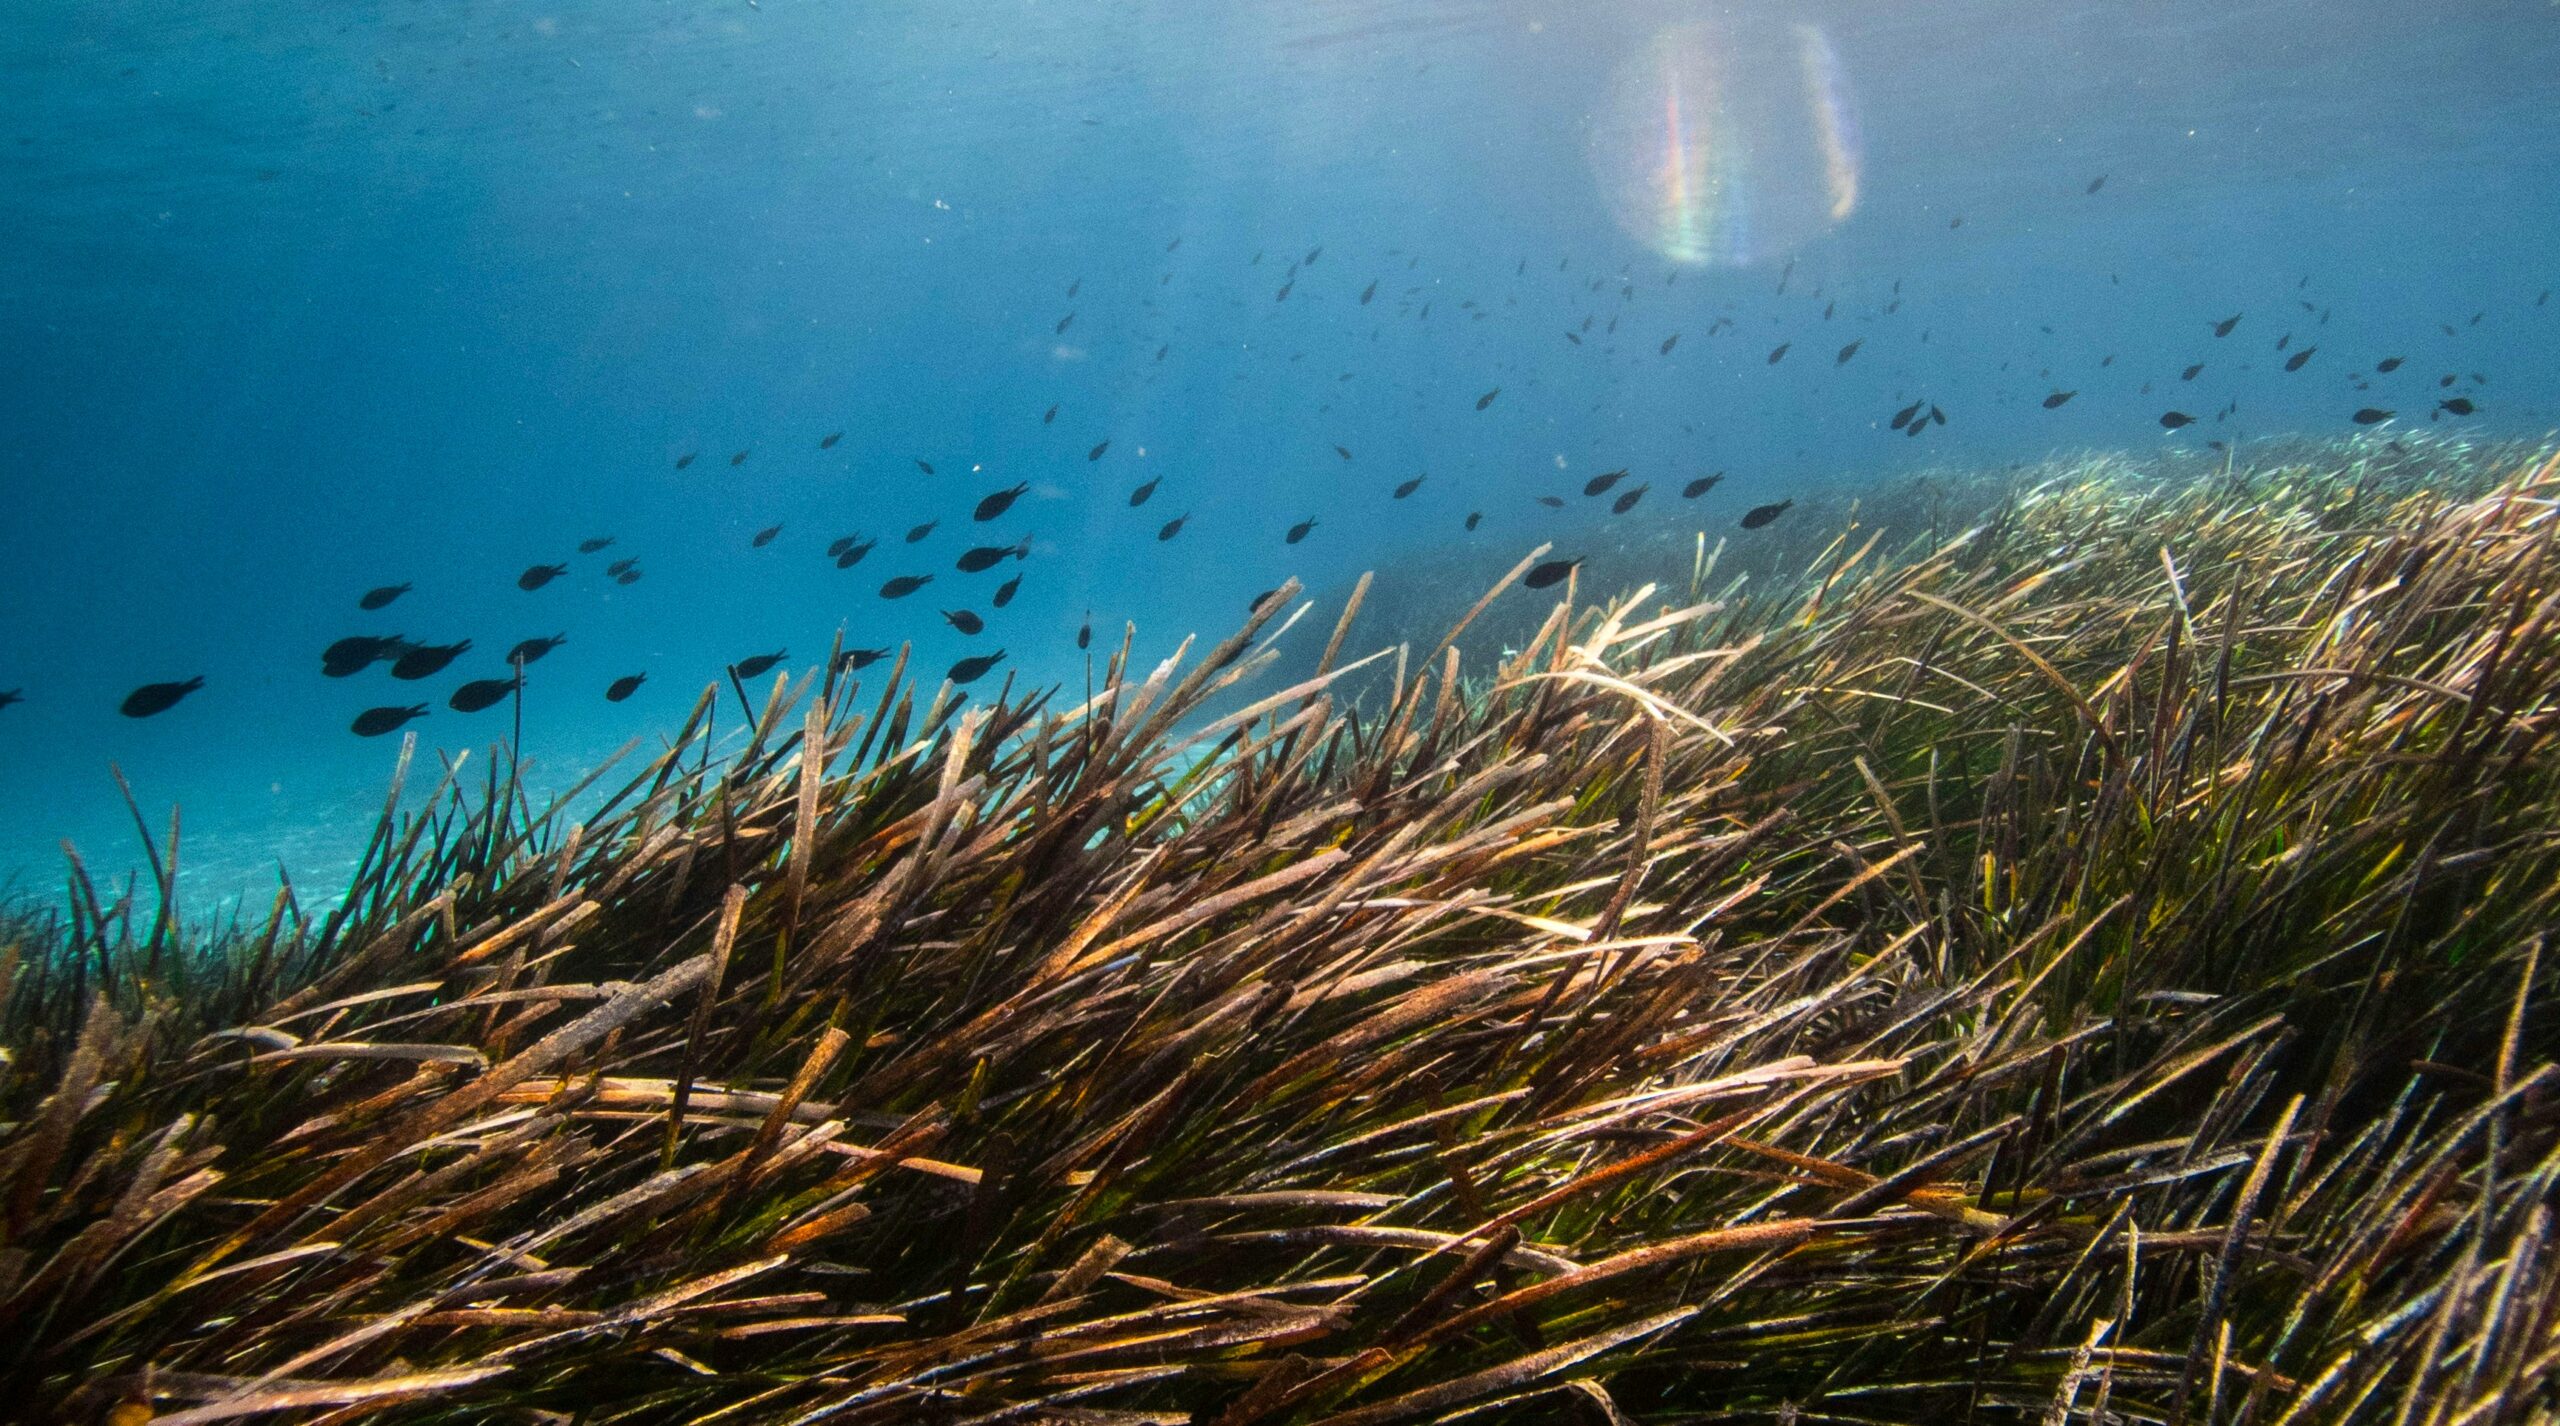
2087, 965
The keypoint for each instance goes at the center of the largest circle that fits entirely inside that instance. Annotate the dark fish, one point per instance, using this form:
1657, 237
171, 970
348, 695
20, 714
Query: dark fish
1487, 399
2372, 415
1759, 515
2295, 361
1474, 517
1956, 221
588, 547
356, 654
686, 459
1849, 351
1160, 351
480, 693
916, 536
1299, 531
374, 722
628, 576
1669, 342
424, 660
1599, 484
1700, 486
747, 668
852, 554
1139, 496
764, 537
12, 695
153, 698
970, 670
1550, 573
2192, 372
1779, 353
2223, 327
1627, 501
739, 459
998, 503
2172, 420
2056, 400
619, 568
1063, 321
1410, 486
1283, 294
2387, 364
1903, 417
2096, 183
1368, 292
2456, 406
904, 585
1004, 591
985, 557
840, 544
532, 649
540, 575
1049, 417
925, 465
1096, 453
964, 621
859, 658
1312, 254
2284, 341
377, 598
1172, 527
1574, 338
828, 442
1084, 634
1552, 502
623, 687
1937, 415
1343, 452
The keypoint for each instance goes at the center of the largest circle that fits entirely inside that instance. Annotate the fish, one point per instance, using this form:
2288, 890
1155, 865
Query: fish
739, 459
1283, 294
1049, 417
998, 503
621, 567
1084, 634
859, 658
1700, 486
628, 576
970, 670
382, 596
2223, 327
1627, 501
828, 441
540, 575
2191, 373
2295, 361
153, 698
1368, 292
1599, 484
1474, 518
1063, 323
1410, 486
1937, 415
357, 653
623, 687
1669, 342
1099, 447
852, 554
2285, 341
480, 693
2387, 364
764, 537
533, 649
985, 557
1172, 527
1574, 338
2172, 420
1299, 531
1903, 417
2372, 416
374, 722
1848, 352
1779, 353
2456, 406
1343, 452
1253, 607
2057, 399
1312, 254
2096, 183
1004, 591
904, 585
12, 695
1487, 399
925, 465
426, 660
1759, 515
917, 535
755, 664
1139, 496
840, 544
590, 546
686, 459
964, 621
1548, 574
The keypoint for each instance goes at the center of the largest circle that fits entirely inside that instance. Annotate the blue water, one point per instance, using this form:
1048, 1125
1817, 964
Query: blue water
305, 298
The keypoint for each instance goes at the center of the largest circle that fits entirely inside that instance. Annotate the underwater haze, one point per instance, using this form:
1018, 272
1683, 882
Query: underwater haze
307, 300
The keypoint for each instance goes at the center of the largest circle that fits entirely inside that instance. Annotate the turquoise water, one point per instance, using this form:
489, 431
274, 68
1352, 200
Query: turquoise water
306, 299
